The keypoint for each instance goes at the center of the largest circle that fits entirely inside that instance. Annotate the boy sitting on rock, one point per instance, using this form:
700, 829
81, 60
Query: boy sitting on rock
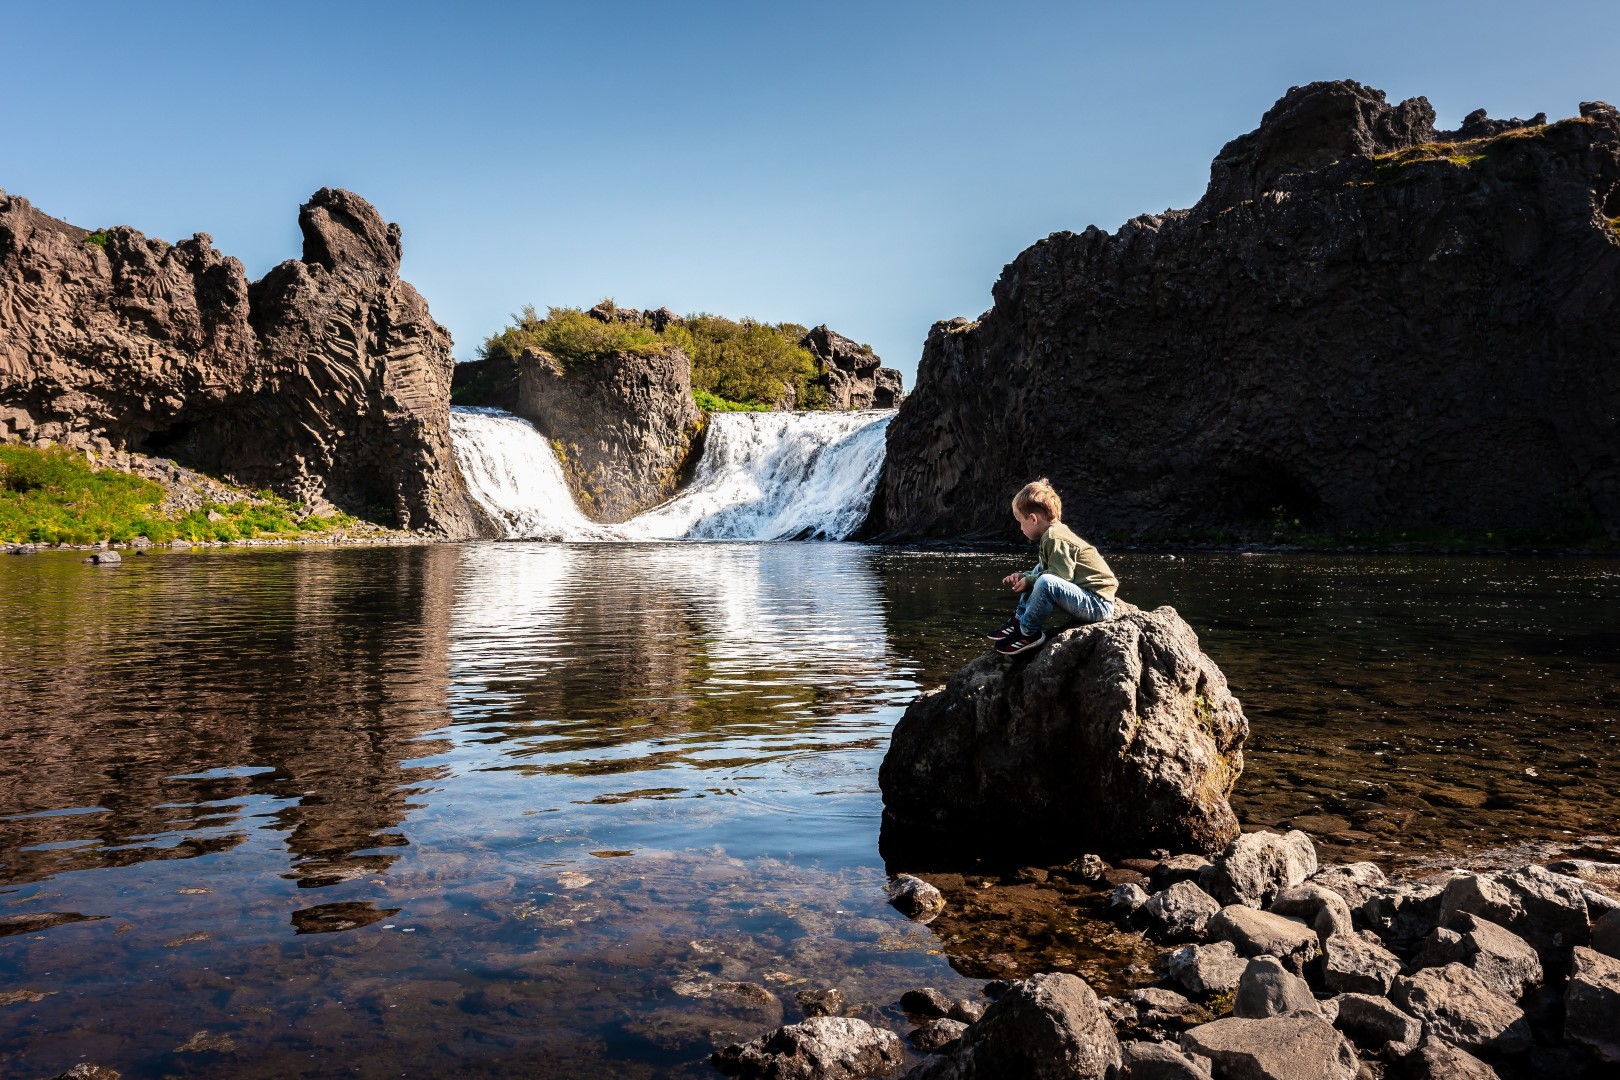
1071, 574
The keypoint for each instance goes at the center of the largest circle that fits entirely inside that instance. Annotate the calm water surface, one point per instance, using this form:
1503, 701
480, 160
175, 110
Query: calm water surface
537, 809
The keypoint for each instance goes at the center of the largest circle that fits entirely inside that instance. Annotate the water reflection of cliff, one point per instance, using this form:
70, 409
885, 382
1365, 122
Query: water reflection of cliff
652, 651
156, 711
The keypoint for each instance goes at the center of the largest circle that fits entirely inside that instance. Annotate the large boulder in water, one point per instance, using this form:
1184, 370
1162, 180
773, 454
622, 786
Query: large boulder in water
1118, 736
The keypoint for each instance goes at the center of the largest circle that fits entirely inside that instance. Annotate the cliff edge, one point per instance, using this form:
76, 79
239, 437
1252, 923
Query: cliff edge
327, 381
1363, 325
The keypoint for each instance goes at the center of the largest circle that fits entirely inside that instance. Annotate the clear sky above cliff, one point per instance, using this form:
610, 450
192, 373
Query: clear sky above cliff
867, 165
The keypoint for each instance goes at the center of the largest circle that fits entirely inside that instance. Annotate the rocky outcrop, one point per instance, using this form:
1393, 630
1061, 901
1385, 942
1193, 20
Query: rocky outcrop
327, 381
625, 427
1364, 324
852, 373
1120, 735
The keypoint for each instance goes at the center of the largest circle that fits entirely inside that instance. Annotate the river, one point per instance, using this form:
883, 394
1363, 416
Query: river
538, 808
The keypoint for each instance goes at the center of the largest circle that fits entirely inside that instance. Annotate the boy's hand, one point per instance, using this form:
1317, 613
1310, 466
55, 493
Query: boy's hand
1015, 581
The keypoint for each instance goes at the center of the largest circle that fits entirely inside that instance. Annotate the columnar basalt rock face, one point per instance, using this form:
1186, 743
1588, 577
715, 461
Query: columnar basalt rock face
625, 427
1118, 736
1364, 324
328, 380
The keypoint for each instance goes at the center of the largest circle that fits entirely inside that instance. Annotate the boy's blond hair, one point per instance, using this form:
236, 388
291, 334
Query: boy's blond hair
1037, 495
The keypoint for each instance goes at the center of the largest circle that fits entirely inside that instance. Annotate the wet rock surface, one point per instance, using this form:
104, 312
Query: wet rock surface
1118, 734
915, 898
327, 380
1325, 236
625, 428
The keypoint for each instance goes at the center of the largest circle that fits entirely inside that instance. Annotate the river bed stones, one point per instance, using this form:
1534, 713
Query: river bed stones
1260, 933
1180, 912
1293, 1047
1048, 1027
1209, 969
1255, 867
915, 898
1592, 1003
1269, 989
1353, 964
1375, 1024
1463, 1009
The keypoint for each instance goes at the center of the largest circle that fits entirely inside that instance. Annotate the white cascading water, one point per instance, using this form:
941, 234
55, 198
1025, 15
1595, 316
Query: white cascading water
763, 476
512, 473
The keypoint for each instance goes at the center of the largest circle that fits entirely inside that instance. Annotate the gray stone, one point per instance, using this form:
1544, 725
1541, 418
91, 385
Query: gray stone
1546, 909
1269, 989
1161, 1061
1606, 934
1160, 1011
1403, 912
916, 899
820, 1002
966, 1011
1327, 912
926, 1001
1375, 1024
1497, 955
1353, 965
86, 1071
1255, 867
1126, 900
1207, 969
1463, 1009
1119, 734
1176, 868
1049, 1027
820, 1048
1436, 1059
105, 558
1353, 881
1592, 1004
937, 1034
1260, 933
1180, 912
1296, 1047
1599, 904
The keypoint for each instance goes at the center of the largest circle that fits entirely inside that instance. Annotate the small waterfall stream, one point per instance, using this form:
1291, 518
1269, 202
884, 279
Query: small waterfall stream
763, 476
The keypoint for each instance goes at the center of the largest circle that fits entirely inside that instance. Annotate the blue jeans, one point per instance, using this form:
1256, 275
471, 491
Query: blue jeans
1051, 591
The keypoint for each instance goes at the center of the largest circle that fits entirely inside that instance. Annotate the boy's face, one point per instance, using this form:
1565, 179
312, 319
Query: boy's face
1034, 524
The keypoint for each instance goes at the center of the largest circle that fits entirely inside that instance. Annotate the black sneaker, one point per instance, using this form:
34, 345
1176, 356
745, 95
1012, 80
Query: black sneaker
1008, 629
1020, 642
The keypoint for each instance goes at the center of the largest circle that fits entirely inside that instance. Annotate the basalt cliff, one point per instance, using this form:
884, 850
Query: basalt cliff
327, 380
1365, 324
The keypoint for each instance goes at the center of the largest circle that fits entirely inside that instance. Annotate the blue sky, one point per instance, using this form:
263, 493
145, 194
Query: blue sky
871, 166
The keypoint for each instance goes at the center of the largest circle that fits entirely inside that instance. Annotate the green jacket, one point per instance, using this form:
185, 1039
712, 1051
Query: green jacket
1071, 558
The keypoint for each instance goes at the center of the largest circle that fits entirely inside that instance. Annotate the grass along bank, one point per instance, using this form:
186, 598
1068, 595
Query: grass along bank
54, 495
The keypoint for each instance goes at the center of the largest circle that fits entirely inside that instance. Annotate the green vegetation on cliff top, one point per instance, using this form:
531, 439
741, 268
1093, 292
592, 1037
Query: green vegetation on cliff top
55, 496
738, 364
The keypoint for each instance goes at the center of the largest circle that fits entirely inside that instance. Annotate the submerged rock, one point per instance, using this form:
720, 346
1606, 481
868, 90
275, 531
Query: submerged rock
1117, 735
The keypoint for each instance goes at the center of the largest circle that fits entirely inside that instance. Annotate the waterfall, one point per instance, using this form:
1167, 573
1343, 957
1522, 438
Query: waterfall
513, 475
763, 476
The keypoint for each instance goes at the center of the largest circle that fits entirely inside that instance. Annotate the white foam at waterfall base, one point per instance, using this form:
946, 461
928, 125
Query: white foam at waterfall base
763, 476
776, 476
512, 473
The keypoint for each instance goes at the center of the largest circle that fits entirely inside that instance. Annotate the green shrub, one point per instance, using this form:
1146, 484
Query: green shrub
570, 335
715, 403
99, 238
735, 364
